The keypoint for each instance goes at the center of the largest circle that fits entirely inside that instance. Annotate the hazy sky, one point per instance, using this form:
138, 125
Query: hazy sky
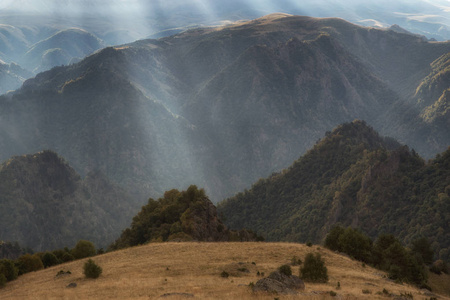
147, 16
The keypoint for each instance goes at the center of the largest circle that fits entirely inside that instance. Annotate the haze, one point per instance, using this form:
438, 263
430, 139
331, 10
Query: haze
143, 18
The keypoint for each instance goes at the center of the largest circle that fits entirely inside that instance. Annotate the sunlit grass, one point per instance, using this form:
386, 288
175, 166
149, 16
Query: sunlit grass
147, 272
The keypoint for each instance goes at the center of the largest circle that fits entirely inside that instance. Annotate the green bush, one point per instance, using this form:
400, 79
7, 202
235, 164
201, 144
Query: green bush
332, 238
83, 249
8, 269
67, 257
49, 259
285, 269
356, 244
91, 269
29, 263
314, 269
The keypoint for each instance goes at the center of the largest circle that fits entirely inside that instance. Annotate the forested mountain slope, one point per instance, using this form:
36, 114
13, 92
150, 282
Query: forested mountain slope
355, 178
45, 204
222, 107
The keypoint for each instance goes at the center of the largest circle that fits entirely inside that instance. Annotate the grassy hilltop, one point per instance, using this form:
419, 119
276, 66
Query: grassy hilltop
179, 270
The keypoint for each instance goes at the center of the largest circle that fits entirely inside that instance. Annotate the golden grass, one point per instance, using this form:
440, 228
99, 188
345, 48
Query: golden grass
147, 272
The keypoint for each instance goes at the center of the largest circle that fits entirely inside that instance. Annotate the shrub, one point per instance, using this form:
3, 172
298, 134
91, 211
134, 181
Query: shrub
309, 244
91, 269
333, 293
83, 249
49, 259
29, 263
356, 244
67, 257
224, 274
332, 239
285, 269
366, 292
314, 269
8, 269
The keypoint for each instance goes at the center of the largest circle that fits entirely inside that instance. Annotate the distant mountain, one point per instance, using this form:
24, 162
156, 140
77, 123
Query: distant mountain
352, 177
60, 49
27, 50
222, 107
46, 205
12, 76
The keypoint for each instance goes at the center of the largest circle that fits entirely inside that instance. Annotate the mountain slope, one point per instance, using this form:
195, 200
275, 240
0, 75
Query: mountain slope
352, 177
60, 49
46, 205
433, 93
12, 76
221, 107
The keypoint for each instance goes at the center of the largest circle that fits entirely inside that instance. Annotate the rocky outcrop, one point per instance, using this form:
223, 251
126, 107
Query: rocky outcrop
279, 283
203, 224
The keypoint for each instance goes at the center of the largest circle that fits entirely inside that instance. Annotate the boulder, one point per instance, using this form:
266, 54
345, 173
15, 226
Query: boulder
279, 283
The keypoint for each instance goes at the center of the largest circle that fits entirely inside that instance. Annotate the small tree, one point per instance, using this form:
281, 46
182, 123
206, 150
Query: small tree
8, 269
285, 269
83, 249
29, 263
314, 269
332, 239
91, 269
49, 259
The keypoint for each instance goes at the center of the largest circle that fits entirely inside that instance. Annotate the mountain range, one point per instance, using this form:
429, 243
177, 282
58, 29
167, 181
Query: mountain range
222, 107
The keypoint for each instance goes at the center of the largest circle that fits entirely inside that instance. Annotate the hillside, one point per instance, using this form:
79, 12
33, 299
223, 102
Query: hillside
60, 49
180, 270
221, 107
46, 205
12, 76
352, 177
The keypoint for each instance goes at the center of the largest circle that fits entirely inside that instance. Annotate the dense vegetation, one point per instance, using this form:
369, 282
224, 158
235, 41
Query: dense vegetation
45, 204
10, 269
314, 269
178, 216
387, 253
352, 177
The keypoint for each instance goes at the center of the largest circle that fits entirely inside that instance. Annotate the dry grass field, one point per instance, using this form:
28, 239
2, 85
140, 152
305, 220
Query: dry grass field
180, 270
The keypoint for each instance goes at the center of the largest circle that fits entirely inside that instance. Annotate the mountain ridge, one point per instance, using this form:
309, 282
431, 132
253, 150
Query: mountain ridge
253, 123
351, 177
